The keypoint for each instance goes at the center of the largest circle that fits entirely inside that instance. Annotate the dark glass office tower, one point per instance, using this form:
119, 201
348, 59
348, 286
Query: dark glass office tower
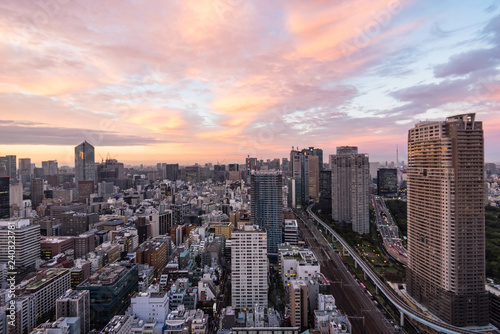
267, 205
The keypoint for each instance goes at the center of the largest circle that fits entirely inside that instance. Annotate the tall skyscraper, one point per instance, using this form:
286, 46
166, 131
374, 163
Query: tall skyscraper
36, 192
299, 169
267, 205
350, 193
4, 197
50, 167
325, 190
25, 171
84, 162
249, 267
446, 227
10, 164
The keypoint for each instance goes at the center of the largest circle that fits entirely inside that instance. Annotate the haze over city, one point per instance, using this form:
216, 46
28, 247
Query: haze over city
201, 81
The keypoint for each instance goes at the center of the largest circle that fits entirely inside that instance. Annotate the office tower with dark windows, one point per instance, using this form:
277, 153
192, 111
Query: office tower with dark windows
387, 182
172, 172
350, 192
10, 165
325, 191
25, 171
267, 205
84, 162
299, 169
50, 167
36, 192
446, 222
4, 197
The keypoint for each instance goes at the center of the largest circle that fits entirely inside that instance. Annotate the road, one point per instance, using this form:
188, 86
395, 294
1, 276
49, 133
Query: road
389, 231
363, 314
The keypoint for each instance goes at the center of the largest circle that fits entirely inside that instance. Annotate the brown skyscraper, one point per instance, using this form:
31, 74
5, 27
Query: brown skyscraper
446, 228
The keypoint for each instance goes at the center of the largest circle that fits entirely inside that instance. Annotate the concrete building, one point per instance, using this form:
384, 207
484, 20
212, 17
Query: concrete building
63, 325
350, 193
27, 243
42, 292
154, 254
299, 310
291, 232
267, 205
446, 223
52, 246
75, 304
249, 267
76, 223
152, 305
298, 265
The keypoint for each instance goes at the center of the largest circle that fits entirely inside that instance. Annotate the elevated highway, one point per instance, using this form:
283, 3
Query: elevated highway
388, 292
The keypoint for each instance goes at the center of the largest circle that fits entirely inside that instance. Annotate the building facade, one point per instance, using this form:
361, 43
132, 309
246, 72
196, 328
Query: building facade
387, 182
84, 162
267, 205
350, 188
75, 304
27, 242
446, 223
4, 197
249, 267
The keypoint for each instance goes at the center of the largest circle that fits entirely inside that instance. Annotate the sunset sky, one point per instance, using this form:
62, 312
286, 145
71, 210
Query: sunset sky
204, 80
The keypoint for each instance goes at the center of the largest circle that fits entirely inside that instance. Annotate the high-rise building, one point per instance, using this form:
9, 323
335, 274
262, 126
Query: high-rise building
10, 164
313, 177
387, 182
50, 167
446, 223
172, 171
490, 169
84, 162
249, 267
25, 171
325, 191
4, 197
27, 242
267, 205
36, 192
350, 193
299, 169
75, 304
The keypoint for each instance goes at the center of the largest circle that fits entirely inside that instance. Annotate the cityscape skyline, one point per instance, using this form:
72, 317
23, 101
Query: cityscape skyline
240, 77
